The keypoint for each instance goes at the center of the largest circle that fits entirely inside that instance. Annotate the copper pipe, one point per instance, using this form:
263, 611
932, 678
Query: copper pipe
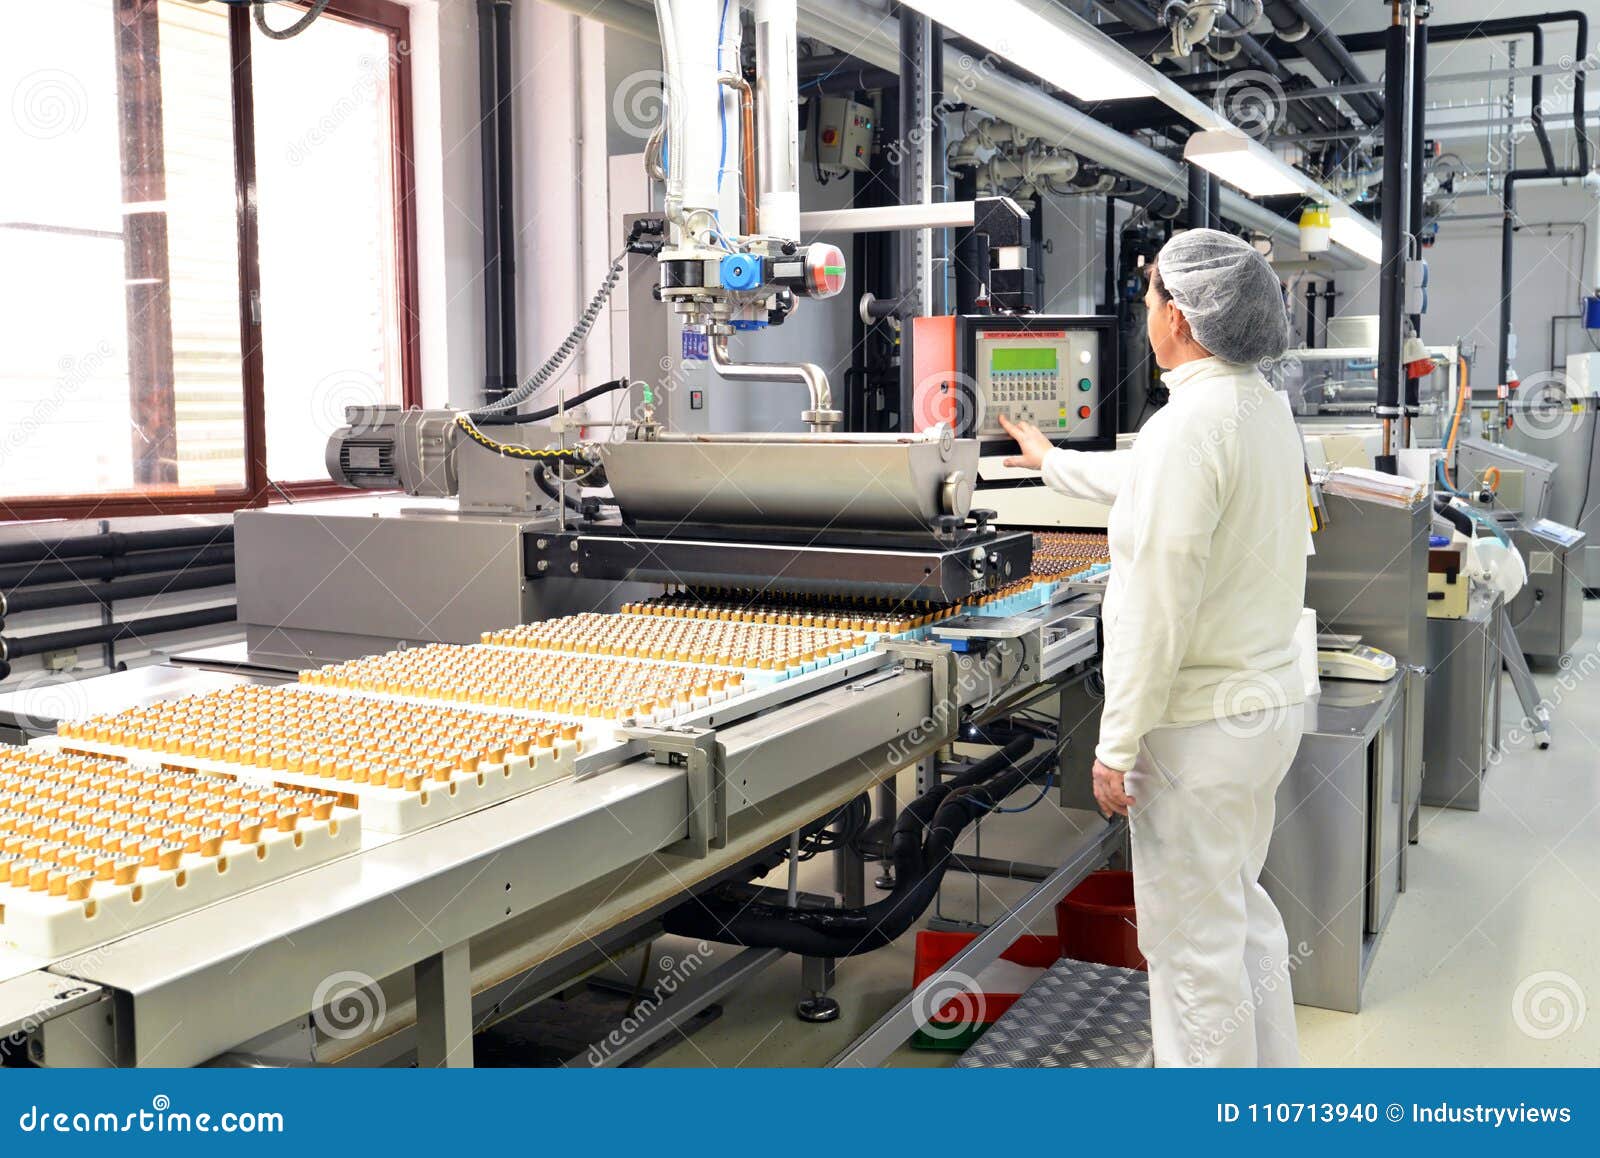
747, 164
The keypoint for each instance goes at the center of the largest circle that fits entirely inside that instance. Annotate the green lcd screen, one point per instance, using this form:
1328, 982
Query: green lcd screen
1021, 357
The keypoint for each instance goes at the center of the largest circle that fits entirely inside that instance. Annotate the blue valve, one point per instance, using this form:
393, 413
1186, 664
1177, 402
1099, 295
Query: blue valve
741, 271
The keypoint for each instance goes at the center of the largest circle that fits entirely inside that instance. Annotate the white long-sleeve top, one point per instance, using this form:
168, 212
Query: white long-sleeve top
1208, 570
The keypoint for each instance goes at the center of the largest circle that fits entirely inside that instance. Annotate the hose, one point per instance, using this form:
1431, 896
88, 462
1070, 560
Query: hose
551, 411
573, 342
920, 849
294, 29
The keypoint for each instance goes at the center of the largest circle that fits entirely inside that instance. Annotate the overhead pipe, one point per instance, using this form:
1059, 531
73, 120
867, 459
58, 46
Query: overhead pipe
81, 594
873, 36
1296, 23
1530, 26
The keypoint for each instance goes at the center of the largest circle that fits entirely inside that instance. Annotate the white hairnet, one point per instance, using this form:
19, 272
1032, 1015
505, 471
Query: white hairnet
1228, 292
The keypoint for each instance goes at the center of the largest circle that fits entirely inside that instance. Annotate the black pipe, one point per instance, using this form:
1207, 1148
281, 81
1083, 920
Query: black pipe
1325, 52
938, 299
16, 647
1213, 202
913, 120
1505, 26
1158, 202
1199, 191
924, 837
1508, 195
115, 543
969, 279
1109, 287
136, 563
505, 85
1311, 314
1419, 78
494, 387
1391, 277
80, 594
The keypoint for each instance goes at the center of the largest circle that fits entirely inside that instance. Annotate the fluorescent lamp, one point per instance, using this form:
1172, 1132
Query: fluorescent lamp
1245, 164
1083, 61
1356, 233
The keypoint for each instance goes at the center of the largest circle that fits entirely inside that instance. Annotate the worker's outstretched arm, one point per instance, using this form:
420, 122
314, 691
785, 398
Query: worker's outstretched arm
1096, 475
1176, 501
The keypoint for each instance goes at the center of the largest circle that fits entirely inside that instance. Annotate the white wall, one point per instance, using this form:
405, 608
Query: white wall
1552, 253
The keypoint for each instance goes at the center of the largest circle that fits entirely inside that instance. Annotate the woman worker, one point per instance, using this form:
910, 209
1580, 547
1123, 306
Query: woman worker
1202, 714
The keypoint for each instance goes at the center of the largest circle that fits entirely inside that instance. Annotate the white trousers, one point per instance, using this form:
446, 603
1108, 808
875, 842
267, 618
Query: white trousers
1218, 955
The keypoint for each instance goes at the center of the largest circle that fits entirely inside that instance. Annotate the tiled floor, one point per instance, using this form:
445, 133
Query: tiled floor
1491, 957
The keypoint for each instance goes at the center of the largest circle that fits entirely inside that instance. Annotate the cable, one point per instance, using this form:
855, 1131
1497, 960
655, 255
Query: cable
512, 450
295, 29
572, 343
551, 411
1044, 790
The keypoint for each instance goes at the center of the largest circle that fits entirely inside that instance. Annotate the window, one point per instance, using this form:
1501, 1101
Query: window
161, 350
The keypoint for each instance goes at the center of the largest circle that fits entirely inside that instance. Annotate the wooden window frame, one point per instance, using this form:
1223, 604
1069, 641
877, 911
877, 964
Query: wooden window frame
394, 20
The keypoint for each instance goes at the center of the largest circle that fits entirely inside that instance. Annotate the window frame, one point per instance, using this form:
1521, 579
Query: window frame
394, 20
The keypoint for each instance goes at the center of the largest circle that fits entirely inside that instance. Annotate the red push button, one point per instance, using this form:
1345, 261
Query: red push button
1083, 412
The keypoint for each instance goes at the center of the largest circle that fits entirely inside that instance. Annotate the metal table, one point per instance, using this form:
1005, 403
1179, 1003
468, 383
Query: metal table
1333, 868
1463, 728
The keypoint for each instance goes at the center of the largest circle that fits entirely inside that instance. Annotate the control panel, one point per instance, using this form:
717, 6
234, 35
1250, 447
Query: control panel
1057, 371
840, 140
1050, 378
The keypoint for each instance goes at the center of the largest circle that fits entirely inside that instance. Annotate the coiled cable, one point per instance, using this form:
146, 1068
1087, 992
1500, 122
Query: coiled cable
572, 343
294, 29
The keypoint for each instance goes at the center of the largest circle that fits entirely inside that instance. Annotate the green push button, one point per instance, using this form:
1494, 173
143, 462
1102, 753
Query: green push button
1085, 384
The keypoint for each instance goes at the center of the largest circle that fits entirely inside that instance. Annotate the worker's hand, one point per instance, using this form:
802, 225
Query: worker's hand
1109, 792
1030, 440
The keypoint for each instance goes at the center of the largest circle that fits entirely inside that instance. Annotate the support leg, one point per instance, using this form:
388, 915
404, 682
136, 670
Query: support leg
444, 1009
888, 806
816, 978
1536, 714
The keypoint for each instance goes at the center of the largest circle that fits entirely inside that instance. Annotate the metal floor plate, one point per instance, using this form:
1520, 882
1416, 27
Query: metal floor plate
1078, 1015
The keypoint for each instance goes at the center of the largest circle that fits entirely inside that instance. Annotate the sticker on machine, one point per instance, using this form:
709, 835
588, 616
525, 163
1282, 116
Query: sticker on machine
1542, 562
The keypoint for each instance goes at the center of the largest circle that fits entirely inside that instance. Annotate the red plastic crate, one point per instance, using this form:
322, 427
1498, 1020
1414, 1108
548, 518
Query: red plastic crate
956, 1023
